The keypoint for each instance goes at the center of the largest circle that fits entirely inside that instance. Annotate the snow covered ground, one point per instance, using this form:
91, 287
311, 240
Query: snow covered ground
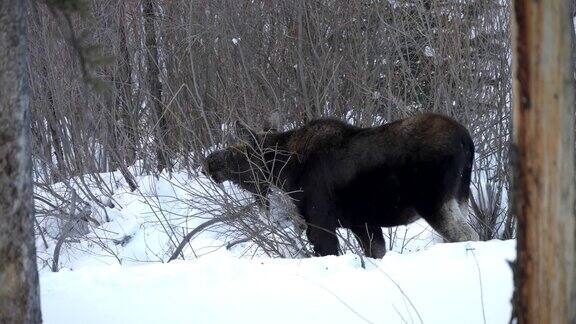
119, 274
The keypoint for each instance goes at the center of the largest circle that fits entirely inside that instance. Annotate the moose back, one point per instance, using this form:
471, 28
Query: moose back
362, 179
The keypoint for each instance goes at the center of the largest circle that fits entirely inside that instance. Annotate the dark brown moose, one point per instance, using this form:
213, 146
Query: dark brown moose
362, 179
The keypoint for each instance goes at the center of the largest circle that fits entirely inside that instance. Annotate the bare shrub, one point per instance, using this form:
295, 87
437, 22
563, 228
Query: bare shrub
219, 61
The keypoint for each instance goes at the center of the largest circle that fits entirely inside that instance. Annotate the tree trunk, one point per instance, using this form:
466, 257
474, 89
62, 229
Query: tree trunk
126, 101
19, 291
125, 155
544, 174
154, 84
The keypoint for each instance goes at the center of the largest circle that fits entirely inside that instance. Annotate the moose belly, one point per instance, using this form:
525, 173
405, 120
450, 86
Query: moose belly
379, 200
377, 213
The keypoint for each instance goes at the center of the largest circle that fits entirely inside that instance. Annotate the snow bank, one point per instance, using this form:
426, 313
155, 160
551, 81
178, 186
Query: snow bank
446, 283
116, 274
145, 225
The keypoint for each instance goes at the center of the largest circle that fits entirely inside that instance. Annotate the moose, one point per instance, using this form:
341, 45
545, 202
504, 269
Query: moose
362, 179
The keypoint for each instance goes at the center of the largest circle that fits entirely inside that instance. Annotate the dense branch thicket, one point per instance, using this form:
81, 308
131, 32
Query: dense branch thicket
166, 77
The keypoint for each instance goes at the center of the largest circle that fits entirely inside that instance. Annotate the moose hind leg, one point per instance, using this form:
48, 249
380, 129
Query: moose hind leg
371, 240
450, 222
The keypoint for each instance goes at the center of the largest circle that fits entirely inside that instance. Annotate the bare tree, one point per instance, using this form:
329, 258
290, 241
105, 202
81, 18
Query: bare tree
19, 289
154, 84
174, 74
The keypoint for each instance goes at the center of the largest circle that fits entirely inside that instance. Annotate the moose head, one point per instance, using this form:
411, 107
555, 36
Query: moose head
247, 162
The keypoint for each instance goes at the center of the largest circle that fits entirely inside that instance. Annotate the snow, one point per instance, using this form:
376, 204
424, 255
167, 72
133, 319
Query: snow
429, 51
438, 285
118, 272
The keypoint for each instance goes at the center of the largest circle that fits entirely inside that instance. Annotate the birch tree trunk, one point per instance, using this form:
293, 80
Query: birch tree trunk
544, 144
19, 292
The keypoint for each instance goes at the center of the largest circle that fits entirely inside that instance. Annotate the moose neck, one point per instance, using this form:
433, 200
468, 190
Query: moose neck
282, 162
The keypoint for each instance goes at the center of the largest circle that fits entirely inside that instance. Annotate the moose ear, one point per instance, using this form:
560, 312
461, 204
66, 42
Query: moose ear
244, 133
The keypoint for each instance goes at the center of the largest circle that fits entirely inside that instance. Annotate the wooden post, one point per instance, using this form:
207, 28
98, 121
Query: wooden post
544, 161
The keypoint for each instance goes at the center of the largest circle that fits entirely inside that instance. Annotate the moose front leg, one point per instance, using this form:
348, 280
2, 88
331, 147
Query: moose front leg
371, 239
324, 240
322, 223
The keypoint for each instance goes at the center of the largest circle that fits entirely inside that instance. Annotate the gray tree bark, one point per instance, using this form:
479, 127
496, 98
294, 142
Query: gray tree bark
19, 291
155, 85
